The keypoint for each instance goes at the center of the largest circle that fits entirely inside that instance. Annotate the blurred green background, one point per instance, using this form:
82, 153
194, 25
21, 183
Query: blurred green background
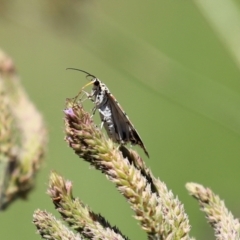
173, 66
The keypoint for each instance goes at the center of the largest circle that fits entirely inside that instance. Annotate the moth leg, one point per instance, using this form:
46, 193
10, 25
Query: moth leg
81, 99
76, 97
84, 99
93, 111
89, 96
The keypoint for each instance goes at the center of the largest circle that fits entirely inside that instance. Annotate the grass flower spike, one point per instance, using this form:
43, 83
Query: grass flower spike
147, 196
222, 220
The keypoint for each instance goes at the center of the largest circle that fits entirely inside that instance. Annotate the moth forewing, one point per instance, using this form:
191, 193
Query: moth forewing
123, 126
120, 125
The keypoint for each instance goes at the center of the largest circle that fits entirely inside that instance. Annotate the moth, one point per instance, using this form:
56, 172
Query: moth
115, 121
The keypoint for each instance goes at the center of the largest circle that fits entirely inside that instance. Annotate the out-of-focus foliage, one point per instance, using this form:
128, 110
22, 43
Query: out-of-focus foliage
23, 136
173, 66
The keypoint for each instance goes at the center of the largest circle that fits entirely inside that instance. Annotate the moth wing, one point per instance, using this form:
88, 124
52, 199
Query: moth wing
123, 126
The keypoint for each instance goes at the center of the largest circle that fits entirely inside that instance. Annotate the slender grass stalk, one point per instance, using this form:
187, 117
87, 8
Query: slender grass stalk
221, 219
224, 18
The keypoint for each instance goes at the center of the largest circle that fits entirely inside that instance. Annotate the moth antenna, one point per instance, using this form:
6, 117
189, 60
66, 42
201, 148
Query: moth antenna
76, 69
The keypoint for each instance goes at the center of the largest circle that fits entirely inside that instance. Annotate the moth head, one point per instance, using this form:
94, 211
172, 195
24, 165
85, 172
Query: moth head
96, 84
